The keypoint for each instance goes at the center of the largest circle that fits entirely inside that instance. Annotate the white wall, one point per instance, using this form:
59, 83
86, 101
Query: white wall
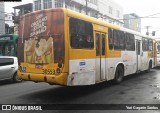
2, 19
104, 8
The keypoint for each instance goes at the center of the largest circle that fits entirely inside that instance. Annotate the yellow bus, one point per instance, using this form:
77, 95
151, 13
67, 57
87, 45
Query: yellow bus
60, 46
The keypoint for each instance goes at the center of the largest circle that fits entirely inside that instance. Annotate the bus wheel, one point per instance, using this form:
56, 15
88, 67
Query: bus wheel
119, 74
149, 67
15, 78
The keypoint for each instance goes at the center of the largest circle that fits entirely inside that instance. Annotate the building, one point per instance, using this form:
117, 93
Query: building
2, 18
132, 21
111, 11
9, 19
19, 11
101, 9
8, 22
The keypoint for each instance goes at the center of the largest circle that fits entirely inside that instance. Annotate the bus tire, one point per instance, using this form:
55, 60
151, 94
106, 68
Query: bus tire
149, 67
119, 74
16, 79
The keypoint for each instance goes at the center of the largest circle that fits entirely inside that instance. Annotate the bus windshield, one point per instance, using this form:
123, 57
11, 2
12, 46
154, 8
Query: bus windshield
7, 49
8, 44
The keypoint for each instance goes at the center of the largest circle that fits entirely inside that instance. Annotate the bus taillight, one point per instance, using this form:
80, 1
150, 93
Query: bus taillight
60, 63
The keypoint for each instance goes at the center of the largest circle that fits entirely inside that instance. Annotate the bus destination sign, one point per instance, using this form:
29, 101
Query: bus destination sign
5, 38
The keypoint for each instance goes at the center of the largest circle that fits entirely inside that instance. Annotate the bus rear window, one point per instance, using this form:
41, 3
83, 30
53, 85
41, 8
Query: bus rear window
42, 37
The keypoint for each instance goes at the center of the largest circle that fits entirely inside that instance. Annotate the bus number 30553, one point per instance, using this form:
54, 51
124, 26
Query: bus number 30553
49, 71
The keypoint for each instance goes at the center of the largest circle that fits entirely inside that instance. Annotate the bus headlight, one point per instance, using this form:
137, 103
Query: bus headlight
60, 62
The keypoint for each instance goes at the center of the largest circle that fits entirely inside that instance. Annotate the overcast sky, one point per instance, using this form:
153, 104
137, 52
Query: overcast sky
9, 5
139, 7
143, 8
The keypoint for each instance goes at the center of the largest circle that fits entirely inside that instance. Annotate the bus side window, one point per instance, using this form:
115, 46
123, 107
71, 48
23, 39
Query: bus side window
143, 44
115, 42
81, 34
110, 37
116, 39
130, 42
147, 44
122, 40
119, 40
150, 45
127, 41
103, 43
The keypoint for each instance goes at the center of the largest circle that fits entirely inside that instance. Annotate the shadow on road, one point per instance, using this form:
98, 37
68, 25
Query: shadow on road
62, 94
139, 75
7, 82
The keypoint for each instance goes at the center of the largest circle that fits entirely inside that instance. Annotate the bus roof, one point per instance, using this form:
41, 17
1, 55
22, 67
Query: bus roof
103, 23
72, 13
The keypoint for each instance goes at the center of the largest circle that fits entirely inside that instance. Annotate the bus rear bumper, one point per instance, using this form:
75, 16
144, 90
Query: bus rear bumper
52, 79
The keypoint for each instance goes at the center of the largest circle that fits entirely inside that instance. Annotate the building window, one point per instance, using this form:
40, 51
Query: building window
58, 3
110, 10
37, 5
47, 4
71, 5
78, 8
93, 13
110, 21
118, 13
93, 2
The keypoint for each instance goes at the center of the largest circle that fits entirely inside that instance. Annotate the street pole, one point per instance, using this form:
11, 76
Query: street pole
86, 7
147, 33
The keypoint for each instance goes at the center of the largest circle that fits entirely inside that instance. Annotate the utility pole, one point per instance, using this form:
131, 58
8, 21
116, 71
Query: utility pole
86, 7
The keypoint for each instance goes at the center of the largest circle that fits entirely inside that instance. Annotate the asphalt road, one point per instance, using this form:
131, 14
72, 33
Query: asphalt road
143, 88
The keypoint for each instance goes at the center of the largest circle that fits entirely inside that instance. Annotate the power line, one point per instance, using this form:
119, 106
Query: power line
152, 15
137, 18
148, 16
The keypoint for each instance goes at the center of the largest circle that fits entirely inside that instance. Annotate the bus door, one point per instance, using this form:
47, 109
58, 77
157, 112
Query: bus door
100, 56
138, 53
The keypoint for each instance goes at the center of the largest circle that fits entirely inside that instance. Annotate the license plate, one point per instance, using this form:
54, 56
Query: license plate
39, 66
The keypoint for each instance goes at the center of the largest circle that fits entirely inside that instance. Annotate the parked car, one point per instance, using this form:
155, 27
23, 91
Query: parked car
8, 68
